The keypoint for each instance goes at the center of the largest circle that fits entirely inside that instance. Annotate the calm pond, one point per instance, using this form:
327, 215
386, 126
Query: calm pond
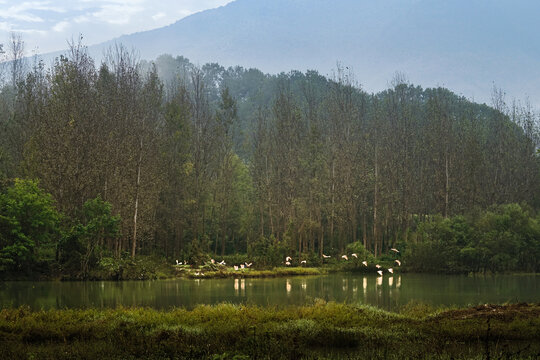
388, 292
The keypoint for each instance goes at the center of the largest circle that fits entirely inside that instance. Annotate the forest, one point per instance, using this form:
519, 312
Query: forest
125, 158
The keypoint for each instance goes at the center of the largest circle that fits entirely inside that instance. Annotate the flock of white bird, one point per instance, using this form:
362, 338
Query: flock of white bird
222, 263
288, 260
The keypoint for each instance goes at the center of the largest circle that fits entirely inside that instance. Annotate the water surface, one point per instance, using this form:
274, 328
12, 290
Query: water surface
387, 292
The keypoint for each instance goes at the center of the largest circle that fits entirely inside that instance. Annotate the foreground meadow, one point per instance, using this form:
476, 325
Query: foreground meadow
321, 330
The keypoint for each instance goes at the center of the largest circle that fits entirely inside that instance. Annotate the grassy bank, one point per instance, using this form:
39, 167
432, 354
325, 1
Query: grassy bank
228, 272
323, 330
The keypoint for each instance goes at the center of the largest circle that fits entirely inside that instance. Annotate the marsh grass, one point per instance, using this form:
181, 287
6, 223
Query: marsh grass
226, 331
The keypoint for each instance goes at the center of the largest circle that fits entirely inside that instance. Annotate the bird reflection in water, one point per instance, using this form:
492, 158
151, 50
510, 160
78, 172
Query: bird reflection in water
288, 286
379, 280
391, 281
304, 284
398, 282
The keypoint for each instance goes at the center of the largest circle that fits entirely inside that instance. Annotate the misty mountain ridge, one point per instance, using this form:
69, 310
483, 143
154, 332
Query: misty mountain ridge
466, 46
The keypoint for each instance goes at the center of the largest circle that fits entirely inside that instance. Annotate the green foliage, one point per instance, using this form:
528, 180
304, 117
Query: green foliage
503, 238
84, 245
29, 226
127, 268
268, 252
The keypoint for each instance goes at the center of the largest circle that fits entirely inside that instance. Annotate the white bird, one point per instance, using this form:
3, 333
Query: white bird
325, 256
212, 261
364, 262
378, 266
235, 267
303, 262
354, 255
398, 262
241, 266
394, 250
344, 257
249, 265
222, 262
391, 271
197, 273
379, 272
288, 258
287, 263
177, 263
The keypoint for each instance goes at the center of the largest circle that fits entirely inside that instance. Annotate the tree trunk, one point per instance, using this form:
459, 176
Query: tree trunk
134, 243
333, 204
446, 186
364, 230
375, 200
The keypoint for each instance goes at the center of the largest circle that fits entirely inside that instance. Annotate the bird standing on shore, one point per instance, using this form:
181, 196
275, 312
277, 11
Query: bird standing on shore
379, 272
325, 256
391, 271
364, 263
397, 262
354, 255
394, 250
344, 257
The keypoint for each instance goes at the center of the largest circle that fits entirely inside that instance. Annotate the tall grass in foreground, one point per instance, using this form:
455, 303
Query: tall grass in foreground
322, 330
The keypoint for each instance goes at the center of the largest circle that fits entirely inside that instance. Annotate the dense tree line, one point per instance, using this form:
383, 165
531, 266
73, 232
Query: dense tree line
501, 238
193, 160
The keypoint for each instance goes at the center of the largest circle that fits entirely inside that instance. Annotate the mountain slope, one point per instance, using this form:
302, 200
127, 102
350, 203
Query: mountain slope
465, 45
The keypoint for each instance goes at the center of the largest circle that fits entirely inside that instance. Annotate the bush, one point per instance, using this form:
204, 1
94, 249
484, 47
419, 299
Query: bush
502, 238
82, 247
29, 226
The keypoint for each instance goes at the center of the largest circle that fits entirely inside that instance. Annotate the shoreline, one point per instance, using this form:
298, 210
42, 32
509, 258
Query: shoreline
250, 273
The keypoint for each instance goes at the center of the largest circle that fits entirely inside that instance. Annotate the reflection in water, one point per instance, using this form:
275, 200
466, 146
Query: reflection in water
388, 294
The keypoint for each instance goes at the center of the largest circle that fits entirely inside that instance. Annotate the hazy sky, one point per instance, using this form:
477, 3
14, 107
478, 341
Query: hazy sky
48, 25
